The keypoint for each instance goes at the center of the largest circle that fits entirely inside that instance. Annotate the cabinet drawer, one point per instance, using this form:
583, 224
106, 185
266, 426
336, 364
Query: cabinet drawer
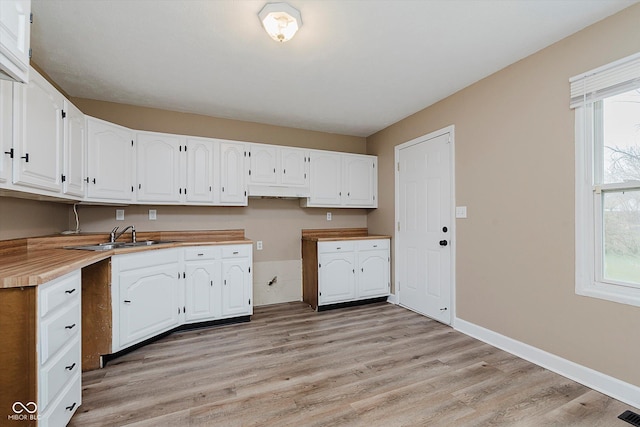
202, 252
62, 409
236, 251
58, 330
60, 292
365, 245
54, 377
337, 246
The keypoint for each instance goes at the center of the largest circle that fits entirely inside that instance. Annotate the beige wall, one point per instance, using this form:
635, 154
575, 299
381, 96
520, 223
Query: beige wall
152, 119
514, 144
29, 218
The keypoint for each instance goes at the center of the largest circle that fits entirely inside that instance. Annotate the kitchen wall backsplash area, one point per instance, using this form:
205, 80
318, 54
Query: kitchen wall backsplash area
277, 223
30, 218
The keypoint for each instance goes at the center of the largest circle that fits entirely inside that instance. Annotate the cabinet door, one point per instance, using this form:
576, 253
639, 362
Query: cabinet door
336, 277
326, 179
236, 287
293, 163
263, 164
233, 191
203, 290
15, 34
373, 273
148, 302
110, 161
159, 167
38, 149
74, 163
202, 174
6, 130
359, 180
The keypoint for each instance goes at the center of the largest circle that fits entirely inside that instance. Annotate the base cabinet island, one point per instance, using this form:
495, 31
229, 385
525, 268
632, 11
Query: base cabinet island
67, 311
344, 266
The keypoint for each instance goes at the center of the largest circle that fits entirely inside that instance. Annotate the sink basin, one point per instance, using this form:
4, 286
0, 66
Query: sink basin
107, 246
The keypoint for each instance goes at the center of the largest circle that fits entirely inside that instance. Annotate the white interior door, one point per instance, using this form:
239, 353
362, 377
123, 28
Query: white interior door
424, 229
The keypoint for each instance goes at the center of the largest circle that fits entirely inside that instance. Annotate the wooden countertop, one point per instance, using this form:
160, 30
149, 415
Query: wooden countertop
34, 261
338, 234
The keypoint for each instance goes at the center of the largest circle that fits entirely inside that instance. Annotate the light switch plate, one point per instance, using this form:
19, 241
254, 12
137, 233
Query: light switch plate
153, 214
119, 214
461, 211
259, 245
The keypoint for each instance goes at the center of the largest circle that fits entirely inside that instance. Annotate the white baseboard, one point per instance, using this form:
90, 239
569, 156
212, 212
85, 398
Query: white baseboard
613, 387
392, 299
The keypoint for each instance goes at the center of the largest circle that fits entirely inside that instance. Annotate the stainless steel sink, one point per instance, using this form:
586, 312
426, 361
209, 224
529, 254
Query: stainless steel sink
107, 246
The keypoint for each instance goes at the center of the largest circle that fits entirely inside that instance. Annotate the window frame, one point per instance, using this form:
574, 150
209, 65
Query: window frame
589, 195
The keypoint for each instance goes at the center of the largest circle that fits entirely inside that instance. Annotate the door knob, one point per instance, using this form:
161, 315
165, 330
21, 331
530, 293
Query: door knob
443, 243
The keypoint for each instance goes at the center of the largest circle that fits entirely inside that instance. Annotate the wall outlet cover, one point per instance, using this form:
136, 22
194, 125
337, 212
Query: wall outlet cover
153, 214
119, 214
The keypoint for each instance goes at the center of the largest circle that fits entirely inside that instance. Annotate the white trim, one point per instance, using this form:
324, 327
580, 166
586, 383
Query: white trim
447, 130
613, 387
392, 299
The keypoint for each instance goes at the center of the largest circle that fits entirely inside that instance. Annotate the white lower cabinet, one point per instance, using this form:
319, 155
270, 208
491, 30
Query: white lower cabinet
60, 357
159, 290
350, 270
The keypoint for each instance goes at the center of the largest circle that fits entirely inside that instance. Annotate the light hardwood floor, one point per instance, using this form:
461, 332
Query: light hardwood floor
374, 365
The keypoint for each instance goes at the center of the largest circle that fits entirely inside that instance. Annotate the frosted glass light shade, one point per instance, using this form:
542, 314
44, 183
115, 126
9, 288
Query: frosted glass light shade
280, 20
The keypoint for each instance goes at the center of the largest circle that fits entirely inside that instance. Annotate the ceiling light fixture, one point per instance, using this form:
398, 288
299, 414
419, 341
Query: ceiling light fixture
280, 20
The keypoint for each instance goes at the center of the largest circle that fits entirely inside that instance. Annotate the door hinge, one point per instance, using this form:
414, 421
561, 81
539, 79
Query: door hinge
30, 53
31, 18
64, 114
398, 166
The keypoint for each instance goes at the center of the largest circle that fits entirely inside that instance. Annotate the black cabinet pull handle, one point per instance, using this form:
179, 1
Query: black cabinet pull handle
70, 408
443, 243
235, 252
70, 326
127, 301
70, 291
70, 367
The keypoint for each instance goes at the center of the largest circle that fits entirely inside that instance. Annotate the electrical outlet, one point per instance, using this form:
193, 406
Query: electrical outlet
259, 245
328, 216
461, 211
153, 214
119, 214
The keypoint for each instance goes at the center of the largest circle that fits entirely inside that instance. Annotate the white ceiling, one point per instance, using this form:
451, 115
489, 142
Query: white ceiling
355, 66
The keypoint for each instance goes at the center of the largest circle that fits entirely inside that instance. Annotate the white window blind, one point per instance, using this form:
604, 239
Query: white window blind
608, 80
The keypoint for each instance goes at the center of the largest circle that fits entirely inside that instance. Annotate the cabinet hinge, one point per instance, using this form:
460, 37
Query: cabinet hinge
210, 189
64, 178
398, 225
319, 265
180, 148
10, 153
249, 269
185, 148
132, 143
185, 191
64, 114
249, 172
131, 188
184, 275
184, 309
249, 301
30, 53
31, 18
245, 193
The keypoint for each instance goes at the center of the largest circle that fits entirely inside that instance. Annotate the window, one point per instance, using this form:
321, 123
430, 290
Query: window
607, 103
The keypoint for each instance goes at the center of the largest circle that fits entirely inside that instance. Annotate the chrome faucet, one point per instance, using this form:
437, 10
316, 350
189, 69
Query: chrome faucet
114, 235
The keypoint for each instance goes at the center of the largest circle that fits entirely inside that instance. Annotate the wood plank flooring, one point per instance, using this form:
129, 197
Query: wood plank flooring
374, 365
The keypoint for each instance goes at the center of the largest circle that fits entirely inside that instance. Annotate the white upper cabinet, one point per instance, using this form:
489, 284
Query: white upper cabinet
110, 165
232, 173
326, 179
160, 167
75, 151
342, 180
38, 134
359, 180
278, 171
203, 171
6, 131
15, 31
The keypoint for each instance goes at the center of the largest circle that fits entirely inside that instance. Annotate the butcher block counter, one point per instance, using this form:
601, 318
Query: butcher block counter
344, 266
34, 261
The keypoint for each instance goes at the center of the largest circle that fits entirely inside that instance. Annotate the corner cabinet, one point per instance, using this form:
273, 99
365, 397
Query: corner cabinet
15, 35
110, 162
342, 180
159, 290
344, 271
